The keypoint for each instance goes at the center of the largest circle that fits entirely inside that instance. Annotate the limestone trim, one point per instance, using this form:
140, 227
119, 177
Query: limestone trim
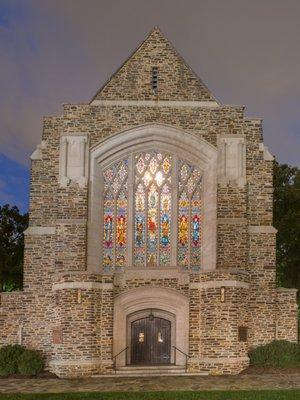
166, 138
266, 153
162, 300
218, 360
40, 230
218, 284
84, 273
232, 160
153, 103
73, 159
82, 285
80, 361
38, 152
283, 289
257, 229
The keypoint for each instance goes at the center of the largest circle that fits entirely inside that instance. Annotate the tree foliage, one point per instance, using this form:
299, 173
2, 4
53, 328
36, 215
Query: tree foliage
12, 226
287, 222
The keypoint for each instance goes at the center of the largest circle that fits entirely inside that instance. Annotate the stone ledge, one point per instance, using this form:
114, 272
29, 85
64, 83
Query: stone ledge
257, 229
80, 361
283, 289
40, 230
266, 153
38, 152
219, 360
82, 285
154, 103
218, 284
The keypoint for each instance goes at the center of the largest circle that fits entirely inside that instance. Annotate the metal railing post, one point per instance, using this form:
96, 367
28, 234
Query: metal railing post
115, 358
182, 352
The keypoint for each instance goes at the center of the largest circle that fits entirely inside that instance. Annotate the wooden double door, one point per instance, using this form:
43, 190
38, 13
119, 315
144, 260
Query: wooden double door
151, 341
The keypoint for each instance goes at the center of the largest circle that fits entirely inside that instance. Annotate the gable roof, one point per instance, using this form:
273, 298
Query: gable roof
176, 80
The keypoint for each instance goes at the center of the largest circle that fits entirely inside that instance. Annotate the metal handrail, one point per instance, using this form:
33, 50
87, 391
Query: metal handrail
115, 358
182, 352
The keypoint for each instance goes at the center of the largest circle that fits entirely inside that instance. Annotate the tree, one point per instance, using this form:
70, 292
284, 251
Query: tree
12, 226
287, 222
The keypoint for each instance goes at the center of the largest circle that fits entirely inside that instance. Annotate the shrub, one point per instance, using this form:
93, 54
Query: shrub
9, 356
30, 363
279, 353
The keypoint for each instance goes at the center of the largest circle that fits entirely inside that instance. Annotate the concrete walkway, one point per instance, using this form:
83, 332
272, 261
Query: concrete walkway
266, 380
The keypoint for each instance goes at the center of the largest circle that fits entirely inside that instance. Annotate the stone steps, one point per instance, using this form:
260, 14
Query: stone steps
151, 370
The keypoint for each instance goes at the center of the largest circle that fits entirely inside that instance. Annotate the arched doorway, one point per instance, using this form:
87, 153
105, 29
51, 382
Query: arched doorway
137, 304
150, 337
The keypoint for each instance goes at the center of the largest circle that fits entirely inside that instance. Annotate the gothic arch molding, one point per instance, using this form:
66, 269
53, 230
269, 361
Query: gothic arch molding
166, 138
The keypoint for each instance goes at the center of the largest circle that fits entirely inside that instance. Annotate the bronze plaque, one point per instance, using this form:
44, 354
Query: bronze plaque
57, 336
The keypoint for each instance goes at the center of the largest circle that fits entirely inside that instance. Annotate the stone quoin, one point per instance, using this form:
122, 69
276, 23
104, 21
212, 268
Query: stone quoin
150, 229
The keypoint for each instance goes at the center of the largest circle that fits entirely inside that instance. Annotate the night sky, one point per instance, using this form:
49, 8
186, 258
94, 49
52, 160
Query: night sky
61, 51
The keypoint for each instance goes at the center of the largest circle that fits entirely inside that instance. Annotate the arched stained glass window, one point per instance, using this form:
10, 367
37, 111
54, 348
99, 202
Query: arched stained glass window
152, 203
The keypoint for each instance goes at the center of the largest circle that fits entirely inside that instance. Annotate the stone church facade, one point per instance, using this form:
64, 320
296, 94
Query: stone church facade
150, 234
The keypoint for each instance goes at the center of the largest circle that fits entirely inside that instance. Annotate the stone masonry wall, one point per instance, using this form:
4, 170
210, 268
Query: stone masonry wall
67, 313
214, 344
286, 315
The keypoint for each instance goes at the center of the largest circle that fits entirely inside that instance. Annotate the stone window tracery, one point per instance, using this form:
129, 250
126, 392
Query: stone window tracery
151, 212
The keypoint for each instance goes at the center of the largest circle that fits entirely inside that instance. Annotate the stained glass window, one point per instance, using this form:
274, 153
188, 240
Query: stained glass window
115, 215
165, 210
189, 215
152, 229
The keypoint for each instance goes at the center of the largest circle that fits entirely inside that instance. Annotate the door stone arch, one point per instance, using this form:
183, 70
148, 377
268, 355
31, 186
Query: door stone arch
165, 303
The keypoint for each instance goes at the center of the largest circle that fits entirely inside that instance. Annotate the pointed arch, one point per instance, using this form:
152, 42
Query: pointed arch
144, 138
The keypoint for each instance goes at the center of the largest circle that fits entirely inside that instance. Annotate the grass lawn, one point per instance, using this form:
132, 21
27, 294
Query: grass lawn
207, 395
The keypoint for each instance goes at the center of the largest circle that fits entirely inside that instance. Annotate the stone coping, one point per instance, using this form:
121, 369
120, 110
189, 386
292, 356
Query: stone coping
154, 103
83, 285
229, 271
218, 284
283, 289
40, 230
257, 229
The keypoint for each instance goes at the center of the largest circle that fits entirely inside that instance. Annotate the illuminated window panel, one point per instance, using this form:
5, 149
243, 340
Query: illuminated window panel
152, 204
165, 226
154, 242
115, 206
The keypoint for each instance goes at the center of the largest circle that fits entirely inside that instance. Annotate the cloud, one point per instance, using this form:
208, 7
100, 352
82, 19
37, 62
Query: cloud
62, 51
